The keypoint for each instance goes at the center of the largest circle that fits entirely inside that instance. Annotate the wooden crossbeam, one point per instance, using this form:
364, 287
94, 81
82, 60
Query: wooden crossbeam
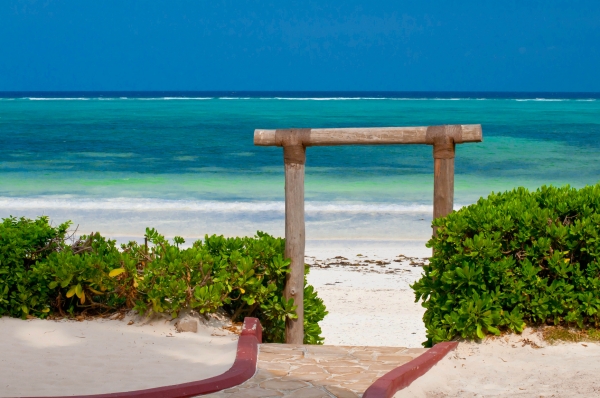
360, 136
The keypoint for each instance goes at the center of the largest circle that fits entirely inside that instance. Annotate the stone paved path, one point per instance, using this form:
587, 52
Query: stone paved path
310, 371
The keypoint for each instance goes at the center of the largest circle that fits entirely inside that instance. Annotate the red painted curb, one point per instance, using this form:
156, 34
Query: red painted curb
401, 377
243, 368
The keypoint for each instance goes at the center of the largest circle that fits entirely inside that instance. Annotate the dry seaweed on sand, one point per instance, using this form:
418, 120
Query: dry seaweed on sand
560, 334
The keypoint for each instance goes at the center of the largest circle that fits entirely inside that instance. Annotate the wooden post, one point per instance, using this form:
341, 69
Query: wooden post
443, 188
443, 139
294, 156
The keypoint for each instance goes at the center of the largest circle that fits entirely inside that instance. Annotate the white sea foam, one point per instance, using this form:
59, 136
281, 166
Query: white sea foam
115, 98
324, 98
145, 204
361, 98
542, 99
173, 98
444, 99
57, 99
294, 99
186, 98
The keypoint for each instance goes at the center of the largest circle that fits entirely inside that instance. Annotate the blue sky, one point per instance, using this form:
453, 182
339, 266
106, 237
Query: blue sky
376, 45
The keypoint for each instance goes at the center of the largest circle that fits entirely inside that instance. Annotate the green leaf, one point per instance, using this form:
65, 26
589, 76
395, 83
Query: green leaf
480, 333
66, 282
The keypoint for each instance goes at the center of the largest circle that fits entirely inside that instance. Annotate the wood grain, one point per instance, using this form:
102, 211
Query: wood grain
443, 188
362, 136
294, 242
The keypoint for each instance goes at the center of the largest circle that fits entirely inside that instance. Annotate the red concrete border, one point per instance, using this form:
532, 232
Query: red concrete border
243, 368
401, 377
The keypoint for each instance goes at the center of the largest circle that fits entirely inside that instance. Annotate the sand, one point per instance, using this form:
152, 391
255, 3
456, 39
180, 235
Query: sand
510, 367
43, 357
368, 297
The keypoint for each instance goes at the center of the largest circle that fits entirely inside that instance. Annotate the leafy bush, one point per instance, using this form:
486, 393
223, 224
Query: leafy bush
24, 242
261, 288
512, 259
42, 275
78, 276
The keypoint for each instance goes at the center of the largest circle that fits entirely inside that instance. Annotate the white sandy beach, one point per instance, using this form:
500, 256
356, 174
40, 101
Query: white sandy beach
368, 297
512, 366
49, 358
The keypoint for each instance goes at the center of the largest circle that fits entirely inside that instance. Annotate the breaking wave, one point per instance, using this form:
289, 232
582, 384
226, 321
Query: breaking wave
145, 204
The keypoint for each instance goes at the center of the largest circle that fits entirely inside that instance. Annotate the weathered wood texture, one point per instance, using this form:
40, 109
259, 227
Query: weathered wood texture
444, 140
443, 188
294, 157
361, 136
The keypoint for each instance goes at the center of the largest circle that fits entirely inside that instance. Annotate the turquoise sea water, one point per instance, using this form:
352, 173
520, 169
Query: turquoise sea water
121, 157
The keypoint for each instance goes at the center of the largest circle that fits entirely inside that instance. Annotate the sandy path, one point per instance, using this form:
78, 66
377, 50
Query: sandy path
501, 368
369, 304
41, 357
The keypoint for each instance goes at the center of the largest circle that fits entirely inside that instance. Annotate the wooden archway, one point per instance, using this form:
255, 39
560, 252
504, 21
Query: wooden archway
294, 143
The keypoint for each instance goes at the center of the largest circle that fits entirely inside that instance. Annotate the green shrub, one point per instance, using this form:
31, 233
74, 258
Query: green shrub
24, 242
512, 259
77, 276
42, 275
261, 293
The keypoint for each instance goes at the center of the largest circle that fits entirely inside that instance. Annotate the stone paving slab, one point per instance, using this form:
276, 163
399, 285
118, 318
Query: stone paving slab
312, 371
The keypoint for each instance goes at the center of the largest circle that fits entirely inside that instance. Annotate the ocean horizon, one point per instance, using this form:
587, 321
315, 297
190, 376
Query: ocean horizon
301, 95
185, 163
